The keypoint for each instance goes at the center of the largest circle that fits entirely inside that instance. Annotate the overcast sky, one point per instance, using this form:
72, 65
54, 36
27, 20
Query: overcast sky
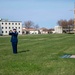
45, 13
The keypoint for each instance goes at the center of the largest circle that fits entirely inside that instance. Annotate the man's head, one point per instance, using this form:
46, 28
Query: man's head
14, 30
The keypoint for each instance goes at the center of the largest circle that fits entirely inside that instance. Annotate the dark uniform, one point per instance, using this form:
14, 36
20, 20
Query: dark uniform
14, 40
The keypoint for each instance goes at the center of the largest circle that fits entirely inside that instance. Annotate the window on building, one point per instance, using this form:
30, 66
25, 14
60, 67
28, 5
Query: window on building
12, 27
12, 23
9, 27
16, 27
2, 23
19, 31
5, 27
9, 23
18, 23
15, 23
2, 27
19, 27
5, 23
5, 31
2, 32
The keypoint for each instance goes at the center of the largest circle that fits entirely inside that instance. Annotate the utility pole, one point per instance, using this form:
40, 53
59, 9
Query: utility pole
74, 18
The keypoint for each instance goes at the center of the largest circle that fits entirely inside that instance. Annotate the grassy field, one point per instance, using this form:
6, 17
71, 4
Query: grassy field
38, 55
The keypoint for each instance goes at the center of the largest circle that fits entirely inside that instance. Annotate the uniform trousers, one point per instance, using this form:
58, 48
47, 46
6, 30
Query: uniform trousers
14, 47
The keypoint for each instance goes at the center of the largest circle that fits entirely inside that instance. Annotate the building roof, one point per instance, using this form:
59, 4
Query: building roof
10, 21
29, 29
44, 29
6, 20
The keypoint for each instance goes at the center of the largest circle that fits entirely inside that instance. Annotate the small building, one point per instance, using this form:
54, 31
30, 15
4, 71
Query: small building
6, 26
44, 31
50, 31
30, 31
58, 29
68, 29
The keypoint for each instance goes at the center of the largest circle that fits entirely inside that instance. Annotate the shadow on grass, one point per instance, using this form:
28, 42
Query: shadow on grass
23, 51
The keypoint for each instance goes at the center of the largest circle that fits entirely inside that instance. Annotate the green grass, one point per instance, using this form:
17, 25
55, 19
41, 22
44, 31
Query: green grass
38, 55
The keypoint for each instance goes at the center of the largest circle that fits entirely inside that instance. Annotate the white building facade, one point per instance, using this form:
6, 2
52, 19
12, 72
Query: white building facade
30, 31
43, 31
6, 26
58, 29
34, 32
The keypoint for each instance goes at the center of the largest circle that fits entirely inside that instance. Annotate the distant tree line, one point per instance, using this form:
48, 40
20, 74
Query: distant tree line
65, 23
30, 24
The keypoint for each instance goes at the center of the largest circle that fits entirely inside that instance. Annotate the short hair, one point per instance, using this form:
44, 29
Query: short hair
14, 29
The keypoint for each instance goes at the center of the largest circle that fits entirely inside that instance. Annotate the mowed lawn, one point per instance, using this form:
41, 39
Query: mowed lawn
38, 55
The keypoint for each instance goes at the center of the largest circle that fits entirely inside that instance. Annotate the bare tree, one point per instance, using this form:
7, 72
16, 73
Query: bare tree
66, 24
62, 23
71, 22
36, 26
29, 24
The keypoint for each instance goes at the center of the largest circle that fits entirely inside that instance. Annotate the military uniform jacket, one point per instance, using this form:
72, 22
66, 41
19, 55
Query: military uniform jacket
14, 36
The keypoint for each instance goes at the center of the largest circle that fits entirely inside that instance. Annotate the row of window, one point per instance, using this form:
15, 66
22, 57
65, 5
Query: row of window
10, 27
11, 23
6, 31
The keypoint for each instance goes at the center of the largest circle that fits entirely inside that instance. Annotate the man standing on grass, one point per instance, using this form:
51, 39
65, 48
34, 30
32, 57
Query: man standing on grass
14, 40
